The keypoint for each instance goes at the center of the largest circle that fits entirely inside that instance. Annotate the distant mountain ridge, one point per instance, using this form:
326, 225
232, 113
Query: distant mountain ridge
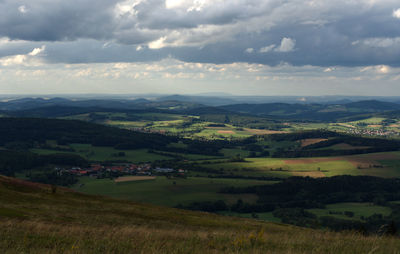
196, 105
313, 111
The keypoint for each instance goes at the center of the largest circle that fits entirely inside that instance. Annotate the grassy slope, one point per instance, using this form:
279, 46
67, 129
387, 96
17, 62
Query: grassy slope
33, 220
163, 191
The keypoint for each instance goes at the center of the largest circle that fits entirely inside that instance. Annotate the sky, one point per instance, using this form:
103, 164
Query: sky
241, 47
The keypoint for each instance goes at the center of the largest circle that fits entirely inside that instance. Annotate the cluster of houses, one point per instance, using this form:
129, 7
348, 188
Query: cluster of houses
96, 170
372, 132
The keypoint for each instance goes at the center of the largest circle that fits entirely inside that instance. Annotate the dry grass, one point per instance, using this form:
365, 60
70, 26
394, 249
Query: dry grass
33, 220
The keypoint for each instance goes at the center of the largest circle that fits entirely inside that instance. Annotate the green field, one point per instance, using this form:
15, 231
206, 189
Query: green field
372, 120
168, 192
287, 167
359, 209
387, 165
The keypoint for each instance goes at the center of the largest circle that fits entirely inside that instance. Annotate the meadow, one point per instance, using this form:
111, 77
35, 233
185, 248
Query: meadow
359, 210
35, 219
168, 191
376, 164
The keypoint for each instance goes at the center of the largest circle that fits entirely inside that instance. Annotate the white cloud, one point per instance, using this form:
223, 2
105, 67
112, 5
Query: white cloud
267, 49
249, 50
380, 69
379, 42
23, 9
13, 60
37, 51
29, 59
383, 69
396, 13
189, 5
329, 69
157, 44
126, 7
170, 4
287, 45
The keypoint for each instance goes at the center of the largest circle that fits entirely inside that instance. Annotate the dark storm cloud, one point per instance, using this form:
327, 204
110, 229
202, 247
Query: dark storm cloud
321, 33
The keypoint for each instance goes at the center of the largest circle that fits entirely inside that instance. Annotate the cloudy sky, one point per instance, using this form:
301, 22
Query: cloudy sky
251, 47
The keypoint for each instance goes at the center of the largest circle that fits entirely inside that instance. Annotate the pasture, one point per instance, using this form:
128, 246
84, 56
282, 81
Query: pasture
376, 164
360, 210
123, 179
168, 192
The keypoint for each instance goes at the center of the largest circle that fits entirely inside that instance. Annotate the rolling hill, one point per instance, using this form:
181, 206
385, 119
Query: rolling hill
315, 112
36, 218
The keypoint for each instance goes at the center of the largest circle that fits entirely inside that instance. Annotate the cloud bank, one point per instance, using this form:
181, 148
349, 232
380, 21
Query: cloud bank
335, 37
321, 33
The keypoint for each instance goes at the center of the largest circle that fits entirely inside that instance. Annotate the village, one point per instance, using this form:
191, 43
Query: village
99, 170
374, 132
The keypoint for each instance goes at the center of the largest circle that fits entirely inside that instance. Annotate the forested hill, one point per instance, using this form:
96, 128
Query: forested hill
320, 112
28, 131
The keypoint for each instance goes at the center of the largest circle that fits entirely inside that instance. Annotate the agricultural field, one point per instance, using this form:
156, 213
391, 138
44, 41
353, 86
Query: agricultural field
377, 164
123, 179
168, 192
358, 211
344, 211
194, 126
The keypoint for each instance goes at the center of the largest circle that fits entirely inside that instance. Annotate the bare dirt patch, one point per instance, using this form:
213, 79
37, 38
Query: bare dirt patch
314, 174
374, 126
133, 178
310, 141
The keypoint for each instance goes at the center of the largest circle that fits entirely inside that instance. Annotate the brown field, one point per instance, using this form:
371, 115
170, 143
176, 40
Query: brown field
374, 126
310, 141
379, 156
226, 132
133, 178
364, 161
346, 125
314, 174
263, 132
394, 125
